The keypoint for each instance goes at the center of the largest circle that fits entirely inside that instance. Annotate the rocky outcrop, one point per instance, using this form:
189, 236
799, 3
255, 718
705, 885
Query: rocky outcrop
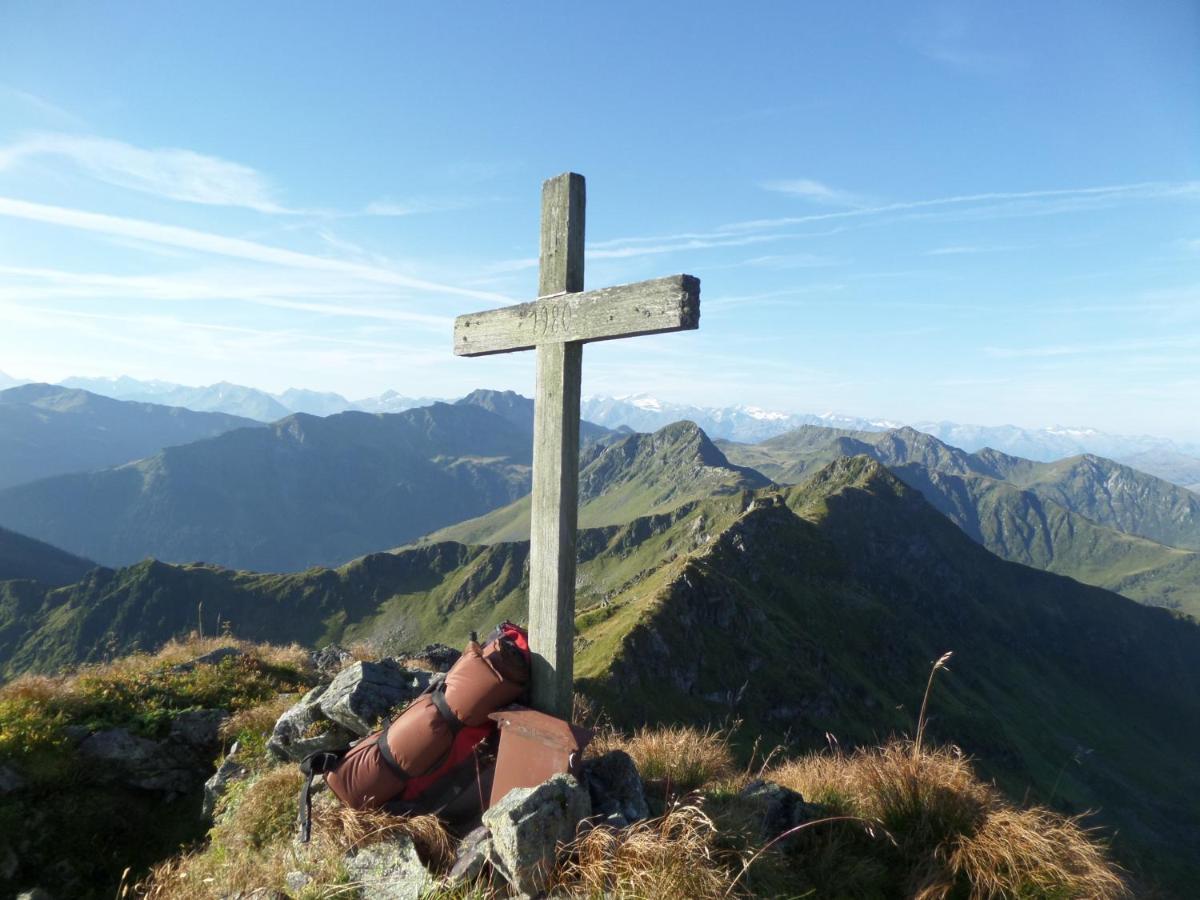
779, 808
528, 824
172, 766
332, 715
365, 692
617, 793
216, 787
305, 729
471, 859
389, 870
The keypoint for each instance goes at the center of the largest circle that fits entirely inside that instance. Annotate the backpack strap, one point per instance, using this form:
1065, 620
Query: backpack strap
311, 765
438, 698
389, 758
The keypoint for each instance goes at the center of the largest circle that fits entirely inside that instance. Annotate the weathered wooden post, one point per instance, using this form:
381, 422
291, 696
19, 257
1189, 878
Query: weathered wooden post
558, 324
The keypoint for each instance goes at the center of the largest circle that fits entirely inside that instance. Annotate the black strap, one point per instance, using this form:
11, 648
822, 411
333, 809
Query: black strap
443, 708
314, 764
389, 760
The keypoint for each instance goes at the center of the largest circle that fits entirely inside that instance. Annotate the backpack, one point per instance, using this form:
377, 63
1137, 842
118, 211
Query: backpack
438, 753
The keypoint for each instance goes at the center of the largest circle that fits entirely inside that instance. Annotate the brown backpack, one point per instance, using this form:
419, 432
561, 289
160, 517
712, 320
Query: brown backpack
436, 734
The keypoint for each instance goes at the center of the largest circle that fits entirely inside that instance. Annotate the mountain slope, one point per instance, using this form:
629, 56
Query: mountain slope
1022, 527
301, 492
1120, 497
638, 475
804, 611
47, 430
22, 557
1040, 514
820, 613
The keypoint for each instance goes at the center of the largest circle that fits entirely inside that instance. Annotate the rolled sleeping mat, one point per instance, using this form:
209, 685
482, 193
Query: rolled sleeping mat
376, 770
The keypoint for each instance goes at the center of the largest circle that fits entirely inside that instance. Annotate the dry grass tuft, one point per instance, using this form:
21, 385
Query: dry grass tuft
257, 720
673, 759
1043, 852
260, 812
671, 856
948, 833
348, 829
252, 846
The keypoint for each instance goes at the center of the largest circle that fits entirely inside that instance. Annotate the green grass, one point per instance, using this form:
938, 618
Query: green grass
80, 816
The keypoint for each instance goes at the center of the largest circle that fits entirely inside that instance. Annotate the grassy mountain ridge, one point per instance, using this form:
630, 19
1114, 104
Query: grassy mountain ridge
302, 491
838, 595
1108, 493
625, 479
1039, 514
48, 430
1121, 497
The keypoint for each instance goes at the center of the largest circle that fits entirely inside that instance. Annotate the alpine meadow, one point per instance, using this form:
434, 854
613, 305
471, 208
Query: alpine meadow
685, 450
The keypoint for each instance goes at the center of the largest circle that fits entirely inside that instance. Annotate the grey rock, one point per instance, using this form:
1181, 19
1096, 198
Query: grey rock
215, 788
438, 657
297, 733
390, 870
200, 728
780, 808
10, 780
118, 747
528, 824
172, 766
212, 658
330, 660
296, 881
365, 692
616, 789
474, 854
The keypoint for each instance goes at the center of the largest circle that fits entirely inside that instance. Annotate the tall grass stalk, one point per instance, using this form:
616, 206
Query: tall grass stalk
939, 664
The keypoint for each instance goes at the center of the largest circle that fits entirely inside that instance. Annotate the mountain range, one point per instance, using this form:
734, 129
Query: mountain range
48, 430
1174, 461
1091, 518
312, 490
1170, 460
302, 491
803, 610
240, 400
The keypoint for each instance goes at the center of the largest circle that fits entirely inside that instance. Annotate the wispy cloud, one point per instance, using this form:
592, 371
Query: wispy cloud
1033, 200
816, 191
41, 106
983, 206
316, 295
965, 250
1046, 351
421, 206
168, 172
791, 261
206, 242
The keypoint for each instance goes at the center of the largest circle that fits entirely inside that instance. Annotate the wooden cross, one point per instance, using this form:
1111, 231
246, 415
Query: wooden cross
557, 325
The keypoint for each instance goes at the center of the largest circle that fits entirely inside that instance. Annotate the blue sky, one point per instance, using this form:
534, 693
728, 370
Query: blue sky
984, 212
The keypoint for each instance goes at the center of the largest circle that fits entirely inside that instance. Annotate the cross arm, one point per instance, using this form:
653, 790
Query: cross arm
627, 310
